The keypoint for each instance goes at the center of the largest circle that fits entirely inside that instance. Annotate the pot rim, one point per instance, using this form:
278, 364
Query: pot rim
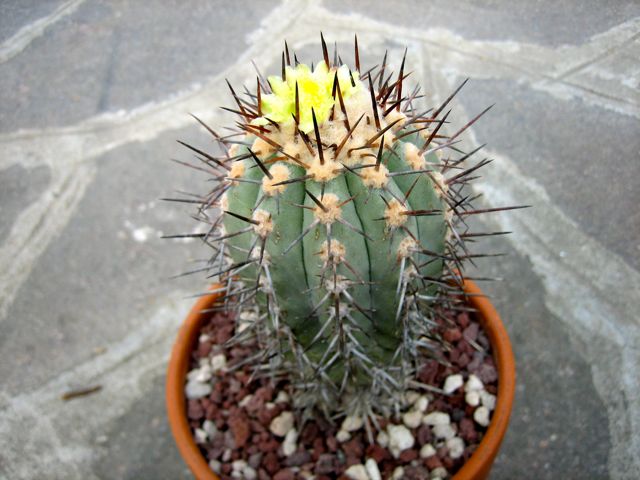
476, 468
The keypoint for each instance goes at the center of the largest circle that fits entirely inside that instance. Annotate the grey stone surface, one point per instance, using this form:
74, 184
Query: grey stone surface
139, 445
15, 14
108, 267
108, 56
85, 297
540, 21
589, 167
557, 424
19, 187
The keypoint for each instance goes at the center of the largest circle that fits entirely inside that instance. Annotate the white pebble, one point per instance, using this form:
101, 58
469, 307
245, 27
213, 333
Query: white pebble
218, 362
197, 390
427, 451
488, 399
472, 398
422, 404
226, 455
372, 469
398, 473
357, 472
456, 447
215, 466
204, 338
436, 418
200, 435
473, 384
439, 473
444, 432
238, 465
383, 439
282, 424
282, 397
412, 419
249, 473
352, 423
481, 416
343, 436
289, 446
245, 401
452, 383
201, 374
400, 438
210, 427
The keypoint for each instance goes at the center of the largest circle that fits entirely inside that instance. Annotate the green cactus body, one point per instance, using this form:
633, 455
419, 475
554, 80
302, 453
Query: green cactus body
337, 218
333, 244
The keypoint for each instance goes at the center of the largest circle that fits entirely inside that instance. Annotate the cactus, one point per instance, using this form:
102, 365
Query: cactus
341, 218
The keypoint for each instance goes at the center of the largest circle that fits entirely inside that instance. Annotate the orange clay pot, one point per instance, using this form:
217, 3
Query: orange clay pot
476, 468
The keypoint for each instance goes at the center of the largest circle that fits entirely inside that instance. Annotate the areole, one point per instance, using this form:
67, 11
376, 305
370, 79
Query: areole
476, 468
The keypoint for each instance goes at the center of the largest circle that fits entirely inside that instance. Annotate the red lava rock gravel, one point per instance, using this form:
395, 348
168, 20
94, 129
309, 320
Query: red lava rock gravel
232, 423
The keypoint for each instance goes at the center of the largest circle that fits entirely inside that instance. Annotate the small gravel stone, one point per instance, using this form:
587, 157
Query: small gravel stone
452, 383
372, 469
298, 458
412, 419
436, 418
357, 472
282, 424
282, 397
383, 439
201, 374
200, 435
400, 438
398, 473
197, 390
326, 464
422, 404
352, 423
210, 427
487, 373
472, 398
238, 465
481, 416
439, 473
226, 456
456, 447
218, 362
444, 432
289, 446
488, 399
215, 465
343, 436
249, 473
427, 451
473, 384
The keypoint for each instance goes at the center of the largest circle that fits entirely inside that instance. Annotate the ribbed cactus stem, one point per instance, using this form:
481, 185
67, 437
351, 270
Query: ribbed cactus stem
337, 218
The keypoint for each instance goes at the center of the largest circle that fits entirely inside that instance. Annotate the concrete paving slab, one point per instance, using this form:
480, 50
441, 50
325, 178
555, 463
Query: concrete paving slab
547, 140
539, 22
119, 55
93, 284
19, 186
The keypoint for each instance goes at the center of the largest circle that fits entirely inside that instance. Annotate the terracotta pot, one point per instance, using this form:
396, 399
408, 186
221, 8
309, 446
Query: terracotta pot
476, 468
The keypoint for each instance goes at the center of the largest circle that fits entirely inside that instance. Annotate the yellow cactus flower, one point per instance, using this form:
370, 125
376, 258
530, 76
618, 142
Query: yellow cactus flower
314, 90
